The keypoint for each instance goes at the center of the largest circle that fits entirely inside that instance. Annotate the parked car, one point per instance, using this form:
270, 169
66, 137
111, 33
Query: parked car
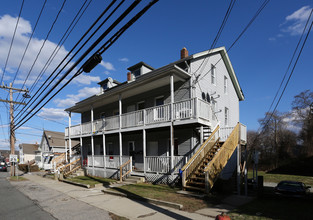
292, 189
3, 166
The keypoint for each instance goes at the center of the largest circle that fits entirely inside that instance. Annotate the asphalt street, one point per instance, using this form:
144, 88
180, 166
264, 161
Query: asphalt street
15, 205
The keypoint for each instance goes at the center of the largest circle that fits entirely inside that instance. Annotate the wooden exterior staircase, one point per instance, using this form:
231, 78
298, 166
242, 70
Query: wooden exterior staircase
204, 167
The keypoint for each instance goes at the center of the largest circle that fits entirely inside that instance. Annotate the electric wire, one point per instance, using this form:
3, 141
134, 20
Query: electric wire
12, 40
290, 75
102, 49
242, 32
59, 45
116, 22
44, 42
69, 53
29, 40
293, 55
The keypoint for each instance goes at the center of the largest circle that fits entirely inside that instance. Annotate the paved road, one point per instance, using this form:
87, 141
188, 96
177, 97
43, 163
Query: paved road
15, 205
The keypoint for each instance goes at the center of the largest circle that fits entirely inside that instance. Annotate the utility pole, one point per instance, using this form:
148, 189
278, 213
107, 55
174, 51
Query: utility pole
11, 90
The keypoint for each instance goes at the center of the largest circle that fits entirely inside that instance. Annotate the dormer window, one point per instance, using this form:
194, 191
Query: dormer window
139, 69
137, 73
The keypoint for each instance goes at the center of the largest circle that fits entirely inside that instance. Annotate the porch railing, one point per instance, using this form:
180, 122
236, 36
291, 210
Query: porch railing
132, 119
186, 109
107, 161
158, 114
162, 164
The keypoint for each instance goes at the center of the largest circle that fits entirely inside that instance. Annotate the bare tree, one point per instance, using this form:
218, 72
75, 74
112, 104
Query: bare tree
303, 109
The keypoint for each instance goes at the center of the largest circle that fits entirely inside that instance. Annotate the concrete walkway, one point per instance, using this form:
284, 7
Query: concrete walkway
94, 197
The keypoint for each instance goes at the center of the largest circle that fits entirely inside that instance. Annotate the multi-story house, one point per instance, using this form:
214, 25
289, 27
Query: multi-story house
159, 117
27, 152
51, 146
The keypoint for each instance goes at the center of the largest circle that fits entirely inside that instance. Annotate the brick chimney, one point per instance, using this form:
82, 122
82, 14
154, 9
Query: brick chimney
129, 76
183, 53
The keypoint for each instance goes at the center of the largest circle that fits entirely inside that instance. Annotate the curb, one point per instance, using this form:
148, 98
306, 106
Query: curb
151, 201
77, 184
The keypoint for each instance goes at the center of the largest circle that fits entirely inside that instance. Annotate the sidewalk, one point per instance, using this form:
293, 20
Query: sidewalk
131, 209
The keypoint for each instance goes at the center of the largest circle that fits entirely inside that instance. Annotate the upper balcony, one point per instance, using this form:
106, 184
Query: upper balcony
184, 112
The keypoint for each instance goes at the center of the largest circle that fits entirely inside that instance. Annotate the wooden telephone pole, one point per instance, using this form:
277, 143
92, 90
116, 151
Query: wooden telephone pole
11, 90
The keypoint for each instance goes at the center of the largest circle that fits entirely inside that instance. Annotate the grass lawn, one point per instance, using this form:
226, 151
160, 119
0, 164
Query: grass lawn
274, 208
276, 178
91, 180
166, 193
17, 178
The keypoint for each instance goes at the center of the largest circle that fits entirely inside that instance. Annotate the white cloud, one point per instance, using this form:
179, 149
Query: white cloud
107, 65
71, 99
53, 113
24, 29
123, 59
295, 22
86, 79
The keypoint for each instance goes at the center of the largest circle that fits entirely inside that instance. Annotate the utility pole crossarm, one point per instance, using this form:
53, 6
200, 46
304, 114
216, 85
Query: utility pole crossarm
13, 102
16, 89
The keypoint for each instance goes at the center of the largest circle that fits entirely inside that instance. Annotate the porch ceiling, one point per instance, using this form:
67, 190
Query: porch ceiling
152, 80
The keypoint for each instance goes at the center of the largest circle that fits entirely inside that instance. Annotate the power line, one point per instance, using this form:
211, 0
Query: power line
293, 55
6, 62
44, 42
30, 38
242, 32
60, 43
291, 73
68, 54
101, 50
218, 34
117, 21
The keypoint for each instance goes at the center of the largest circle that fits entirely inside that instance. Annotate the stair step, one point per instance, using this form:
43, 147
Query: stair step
198, 178
198, 184
194, 188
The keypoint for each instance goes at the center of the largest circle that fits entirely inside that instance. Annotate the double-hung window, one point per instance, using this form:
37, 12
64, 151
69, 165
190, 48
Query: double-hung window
226, 116
225, 85
213, 75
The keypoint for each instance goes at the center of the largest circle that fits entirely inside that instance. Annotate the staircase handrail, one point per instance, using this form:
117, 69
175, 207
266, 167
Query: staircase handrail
220, 159
56, 159
205, 147
128, 172
69, 164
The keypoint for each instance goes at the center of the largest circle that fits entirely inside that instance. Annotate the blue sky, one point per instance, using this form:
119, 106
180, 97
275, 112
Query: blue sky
260, 58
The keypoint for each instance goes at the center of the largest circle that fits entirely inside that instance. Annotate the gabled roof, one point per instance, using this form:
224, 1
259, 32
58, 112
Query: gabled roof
138, 65
227, 62
172, 67
29, 148
54, 138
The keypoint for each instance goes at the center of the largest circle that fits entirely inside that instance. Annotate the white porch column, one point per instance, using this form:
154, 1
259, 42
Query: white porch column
91, 119
104, 150
93, 155
81, 150
144, 149
201, 135
92, 142
69, 135
120, 126
172, 121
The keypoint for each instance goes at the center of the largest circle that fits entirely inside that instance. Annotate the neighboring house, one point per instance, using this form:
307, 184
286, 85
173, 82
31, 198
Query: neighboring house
27, 152
52, 145
159, 117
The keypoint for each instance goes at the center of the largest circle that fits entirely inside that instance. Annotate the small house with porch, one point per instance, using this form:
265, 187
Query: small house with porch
162, 123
